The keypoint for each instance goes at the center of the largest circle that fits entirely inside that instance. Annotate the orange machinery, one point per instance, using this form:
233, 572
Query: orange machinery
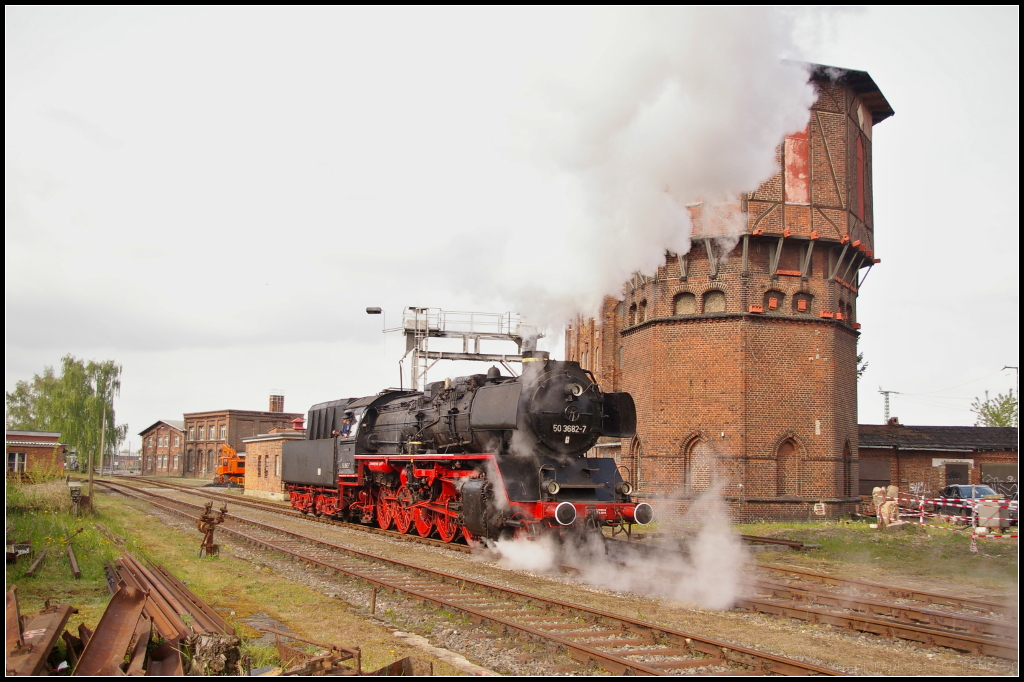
231, 467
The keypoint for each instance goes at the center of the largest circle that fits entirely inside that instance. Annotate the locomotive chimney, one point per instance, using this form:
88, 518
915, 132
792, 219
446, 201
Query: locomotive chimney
534, 361
277, 401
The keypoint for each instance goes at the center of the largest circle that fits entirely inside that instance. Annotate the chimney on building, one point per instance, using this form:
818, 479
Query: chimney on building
299, 424
277, 401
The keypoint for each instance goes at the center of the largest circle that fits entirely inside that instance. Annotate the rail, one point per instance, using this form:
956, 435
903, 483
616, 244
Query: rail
533, 615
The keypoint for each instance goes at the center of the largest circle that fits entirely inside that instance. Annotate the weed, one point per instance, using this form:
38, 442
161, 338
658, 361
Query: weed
261, 655
51, 496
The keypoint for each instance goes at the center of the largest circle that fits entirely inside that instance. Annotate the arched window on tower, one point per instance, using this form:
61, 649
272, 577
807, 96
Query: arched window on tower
685, 304
714, 302
787, 468
642, 312
632, 315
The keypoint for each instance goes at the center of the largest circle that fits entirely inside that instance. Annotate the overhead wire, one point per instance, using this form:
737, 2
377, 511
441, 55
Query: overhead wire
943, 390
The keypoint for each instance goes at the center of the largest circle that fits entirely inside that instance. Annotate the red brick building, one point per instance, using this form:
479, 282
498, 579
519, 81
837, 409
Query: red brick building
741, 354
263, 455
205, 432
162, 445
34, 453
922, 460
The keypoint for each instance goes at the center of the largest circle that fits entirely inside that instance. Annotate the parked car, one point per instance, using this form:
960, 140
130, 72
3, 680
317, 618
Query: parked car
959, 496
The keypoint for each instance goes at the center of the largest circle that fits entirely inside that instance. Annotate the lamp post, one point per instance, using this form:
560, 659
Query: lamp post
374, 310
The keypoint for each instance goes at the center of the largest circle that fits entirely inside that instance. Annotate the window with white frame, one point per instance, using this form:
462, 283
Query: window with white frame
202, 433
223, 432
16, 462
191, 433
177, 441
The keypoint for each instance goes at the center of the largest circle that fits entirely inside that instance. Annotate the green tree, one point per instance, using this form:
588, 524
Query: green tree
73, 403
1003, 410
861, 365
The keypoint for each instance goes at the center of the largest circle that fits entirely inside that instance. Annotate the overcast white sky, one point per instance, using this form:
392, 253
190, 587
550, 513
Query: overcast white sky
211, 197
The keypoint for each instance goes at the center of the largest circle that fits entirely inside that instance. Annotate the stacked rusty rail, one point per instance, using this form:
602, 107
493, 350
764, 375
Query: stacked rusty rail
176, 612
143, 600
616, 643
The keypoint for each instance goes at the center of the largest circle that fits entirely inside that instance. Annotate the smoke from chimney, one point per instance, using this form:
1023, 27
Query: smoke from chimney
634, 115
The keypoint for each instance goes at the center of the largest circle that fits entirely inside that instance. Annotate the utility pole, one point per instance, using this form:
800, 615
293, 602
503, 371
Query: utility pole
1017, 393
103, 432
886, 394
1017, 372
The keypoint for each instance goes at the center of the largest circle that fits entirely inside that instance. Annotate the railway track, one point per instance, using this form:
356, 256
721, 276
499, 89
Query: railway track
901, 613
618, 644
285, 510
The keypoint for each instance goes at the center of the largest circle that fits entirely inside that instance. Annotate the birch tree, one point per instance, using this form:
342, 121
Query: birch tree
72, 403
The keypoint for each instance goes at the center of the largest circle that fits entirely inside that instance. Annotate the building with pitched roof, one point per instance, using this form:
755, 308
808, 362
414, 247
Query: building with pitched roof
922, 460
36, 453
162, 444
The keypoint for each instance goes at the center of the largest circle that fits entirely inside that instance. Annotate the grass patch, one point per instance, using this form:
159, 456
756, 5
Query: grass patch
38, 513
916, 551
236, 588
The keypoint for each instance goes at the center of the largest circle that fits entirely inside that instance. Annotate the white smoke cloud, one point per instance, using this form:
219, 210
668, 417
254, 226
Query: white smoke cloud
701, 563
635, 116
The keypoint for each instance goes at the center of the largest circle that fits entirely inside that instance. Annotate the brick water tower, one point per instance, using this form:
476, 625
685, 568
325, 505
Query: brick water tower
742, 359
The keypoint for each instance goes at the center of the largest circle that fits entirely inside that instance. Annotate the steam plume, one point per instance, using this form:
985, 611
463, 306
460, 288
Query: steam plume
641, 113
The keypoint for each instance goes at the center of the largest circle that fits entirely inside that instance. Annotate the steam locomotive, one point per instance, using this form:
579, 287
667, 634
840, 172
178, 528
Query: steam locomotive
480, 456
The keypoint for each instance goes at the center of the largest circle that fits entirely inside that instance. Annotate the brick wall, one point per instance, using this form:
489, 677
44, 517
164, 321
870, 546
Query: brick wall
263, 464
207, 431
162, 448
760, 398
925, 471
38, 459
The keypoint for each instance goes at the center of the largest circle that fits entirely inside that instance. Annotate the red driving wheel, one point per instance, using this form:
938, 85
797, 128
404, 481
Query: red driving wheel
423, 520
385, 510
447, 527
402, 512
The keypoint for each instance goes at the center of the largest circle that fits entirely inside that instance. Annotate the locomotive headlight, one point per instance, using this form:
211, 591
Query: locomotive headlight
624, 488
552, 487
